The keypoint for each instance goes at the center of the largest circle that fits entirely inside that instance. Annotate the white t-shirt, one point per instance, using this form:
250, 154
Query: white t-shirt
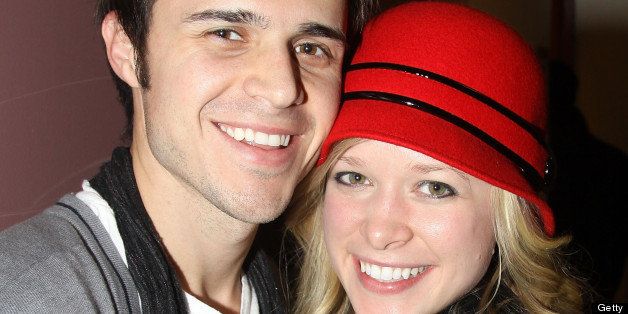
248, 299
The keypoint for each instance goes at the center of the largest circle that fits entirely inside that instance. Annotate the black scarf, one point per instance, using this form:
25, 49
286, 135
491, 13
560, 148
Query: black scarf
150, 267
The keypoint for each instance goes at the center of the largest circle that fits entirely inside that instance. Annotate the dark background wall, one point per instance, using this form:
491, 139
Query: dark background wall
59, 118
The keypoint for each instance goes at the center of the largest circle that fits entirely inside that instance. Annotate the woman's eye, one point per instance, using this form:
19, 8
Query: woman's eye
436, 189
351, 178
310, 49
227, 34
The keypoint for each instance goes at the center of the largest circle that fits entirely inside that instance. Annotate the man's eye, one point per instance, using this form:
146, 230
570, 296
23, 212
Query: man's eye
351, 178
435, 189
311, 49
227, 34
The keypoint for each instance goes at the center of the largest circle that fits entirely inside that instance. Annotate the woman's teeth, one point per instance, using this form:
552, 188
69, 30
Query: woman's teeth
390, 274
260, 138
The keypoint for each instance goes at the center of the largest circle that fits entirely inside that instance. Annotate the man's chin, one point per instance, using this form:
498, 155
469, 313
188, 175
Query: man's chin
259, 211
260, 217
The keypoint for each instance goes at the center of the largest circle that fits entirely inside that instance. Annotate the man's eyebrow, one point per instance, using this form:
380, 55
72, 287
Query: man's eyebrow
232, 16
320, 30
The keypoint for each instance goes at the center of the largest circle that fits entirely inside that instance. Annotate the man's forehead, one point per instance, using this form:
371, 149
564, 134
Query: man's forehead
241, 16
263, 13
229, 15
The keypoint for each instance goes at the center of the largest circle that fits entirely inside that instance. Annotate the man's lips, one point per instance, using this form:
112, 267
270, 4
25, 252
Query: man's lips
265, 148
255, 137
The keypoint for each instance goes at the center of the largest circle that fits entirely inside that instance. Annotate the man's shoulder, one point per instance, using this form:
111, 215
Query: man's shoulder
55, 260
31, 246
33, 240
52, 229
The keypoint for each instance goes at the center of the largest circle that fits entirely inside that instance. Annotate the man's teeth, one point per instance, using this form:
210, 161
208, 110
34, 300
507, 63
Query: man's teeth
257, 137
388, 274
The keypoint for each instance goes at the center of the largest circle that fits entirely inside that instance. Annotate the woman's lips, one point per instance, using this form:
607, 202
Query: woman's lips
389, 279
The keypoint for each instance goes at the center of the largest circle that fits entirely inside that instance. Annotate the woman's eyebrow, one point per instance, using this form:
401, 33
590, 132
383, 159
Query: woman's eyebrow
430, 168
352, 161
233, 16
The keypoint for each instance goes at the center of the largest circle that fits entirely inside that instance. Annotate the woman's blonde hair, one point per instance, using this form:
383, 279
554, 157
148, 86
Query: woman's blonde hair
528, 263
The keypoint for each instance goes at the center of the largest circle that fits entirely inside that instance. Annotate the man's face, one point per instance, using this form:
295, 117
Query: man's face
242, 93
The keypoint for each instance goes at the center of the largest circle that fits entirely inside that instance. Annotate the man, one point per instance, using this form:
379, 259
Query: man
228, 103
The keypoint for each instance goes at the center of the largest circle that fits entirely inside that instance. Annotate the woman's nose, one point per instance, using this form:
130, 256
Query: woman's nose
386, 226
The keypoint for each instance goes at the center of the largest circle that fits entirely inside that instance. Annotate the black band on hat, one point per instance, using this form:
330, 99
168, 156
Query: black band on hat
537, 182
527, 126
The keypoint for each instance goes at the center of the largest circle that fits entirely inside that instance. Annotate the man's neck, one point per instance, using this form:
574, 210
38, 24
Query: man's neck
207, 246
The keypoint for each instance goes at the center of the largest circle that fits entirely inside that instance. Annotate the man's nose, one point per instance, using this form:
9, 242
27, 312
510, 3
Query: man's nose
275, 79
386, 226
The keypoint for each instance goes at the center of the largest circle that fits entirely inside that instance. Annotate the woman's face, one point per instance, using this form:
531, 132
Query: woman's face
406, 233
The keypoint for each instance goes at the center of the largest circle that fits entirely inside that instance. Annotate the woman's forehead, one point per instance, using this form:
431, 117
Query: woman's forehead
369, 150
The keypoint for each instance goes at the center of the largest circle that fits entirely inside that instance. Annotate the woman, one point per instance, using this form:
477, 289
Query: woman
426, 197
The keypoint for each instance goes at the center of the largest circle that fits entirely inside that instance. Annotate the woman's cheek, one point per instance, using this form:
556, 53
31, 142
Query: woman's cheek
341, 213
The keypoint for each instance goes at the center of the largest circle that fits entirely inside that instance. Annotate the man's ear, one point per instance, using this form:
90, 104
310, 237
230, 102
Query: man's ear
120, 50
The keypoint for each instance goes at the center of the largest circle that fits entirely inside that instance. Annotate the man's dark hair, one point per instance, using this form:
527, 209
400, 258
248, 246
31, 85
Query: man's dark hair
135, 18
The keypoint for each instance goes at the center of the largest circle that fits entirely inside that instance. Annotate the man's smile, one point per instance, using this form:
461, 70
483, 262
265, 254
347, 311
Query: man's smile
253, 137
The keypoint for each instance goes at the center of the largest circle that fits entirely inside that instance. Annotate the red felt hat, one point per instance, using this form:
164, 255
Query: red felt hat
455, 84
